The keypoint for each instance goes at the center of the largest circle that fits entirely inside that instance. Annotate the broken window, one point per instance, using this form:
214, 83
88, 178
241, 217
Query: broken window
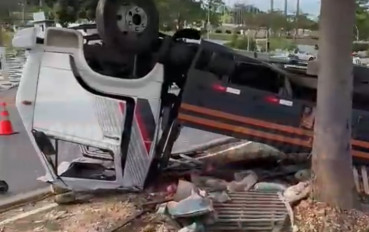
257, 76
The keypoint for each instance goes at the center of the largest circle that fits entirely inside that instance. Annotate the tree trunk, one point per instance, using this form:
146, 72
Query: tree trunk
179, 25
332, 162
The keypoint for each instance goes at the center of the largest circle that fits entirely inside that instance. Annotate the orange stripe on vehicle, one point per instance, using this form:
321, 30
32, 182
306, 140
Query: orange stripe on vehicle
261, 123
360, 143
256, 133
242, 130
360, 154
247, 120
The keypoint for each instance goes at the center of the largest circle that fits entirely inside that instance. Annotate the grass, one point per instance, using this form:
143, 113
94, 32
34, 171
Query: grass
275, 43
215, 36
282, 43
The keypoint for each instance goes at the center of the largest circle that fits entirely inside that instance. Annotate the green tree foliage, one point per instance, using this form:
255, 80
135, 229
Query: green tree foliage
253, 17
87, 9
306, 23
362, 18
66, 11
242, 42
173, 13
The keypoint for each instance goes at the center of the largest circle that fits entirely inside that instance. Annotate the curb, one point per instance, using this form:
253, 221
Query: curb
26, 198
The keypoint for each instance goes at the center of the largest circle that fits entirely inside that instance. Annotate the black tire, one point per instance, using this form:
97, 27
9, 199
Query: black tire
4, 187
106, 20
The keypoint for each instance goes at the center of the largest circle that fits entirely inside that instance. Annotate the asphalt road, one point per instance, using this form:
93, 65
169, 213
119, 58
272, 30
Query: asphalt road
19, 164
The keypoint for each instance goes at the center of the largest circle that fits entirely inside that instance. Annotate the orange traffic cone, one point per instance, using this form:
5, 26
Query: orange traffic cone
6, 127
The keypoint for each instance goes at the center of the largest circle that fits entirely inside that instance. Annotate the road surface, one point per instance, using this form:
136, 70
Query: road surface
19, 164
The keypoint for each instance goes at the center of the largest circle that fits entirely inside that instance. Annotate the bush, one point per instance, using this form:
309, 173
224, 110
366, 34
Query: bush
360, 47
281, 43
241, 43
6, 38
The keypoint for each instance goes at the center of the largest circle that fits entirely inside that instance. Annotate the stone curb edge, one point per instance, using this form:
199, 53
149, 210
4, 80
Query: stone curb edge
21, 199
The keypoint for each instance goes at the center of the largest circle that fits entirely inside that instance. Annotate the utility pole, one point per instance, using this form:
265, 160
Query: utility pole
270, 24
285, 8
23, 4
271, 6
208, 24
297, 17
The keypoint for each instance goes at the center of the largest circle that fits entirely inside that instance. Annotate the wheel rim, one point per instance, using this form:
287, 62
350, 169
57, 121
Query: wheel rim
131, 19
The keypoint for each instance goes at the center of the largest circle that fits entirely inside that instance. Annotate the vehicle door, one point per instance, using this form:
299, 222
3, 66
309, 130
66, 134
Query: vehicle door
74, 106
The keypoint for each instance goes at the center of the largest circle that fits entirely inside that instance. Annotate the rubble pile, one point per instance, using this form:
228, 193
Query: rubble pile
217, 190
255, 190
242, 203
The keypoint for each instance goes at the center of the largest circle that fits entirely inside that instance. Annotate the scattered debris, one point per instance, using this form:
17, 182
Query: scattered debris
297, 192
274, 187
245, 184
303, 175
128, 220
65, 198
204, 196
235, 152
192, 206
219, 197
211, 183
194, 227
184, 190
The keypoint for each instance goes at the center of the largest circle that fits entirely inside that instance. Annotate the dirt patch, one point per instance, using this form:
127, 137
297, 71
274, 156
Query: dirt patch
319, 217
99, 214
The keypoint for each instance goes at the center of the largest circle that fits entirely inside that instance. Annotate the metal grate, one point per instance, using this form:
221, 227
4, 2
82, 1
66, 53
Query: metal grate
250, 211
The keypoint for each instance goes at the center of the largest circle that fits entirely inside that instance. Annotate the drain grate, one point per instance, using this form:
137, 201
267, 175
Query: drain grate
250, 211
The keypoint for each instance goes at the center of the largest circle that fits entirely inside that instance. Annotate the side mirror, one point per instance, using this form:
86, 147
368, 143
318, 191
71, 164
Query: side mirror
25, 38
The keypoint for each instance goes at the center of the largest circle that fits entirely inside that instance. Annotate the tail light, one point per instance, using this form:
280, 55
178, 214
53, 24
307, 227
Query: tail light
272, 99
219, 88
275, 100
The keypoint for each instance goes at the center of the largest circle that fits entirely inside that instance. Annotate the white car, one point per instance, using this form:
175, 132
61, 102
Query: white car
356, 60
305, 56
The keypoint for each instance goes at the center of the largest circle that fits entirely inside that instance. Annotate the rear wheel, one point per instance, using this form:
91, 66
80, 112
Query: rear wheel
128, 25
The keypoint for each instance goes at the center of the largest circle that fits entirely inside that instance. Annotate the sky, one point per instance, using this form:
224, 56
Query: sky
311, 7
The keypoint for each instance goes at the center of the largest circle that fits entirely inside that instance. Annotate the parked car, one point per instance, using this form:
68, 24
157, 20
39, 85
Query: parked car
304, 56
356, 60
